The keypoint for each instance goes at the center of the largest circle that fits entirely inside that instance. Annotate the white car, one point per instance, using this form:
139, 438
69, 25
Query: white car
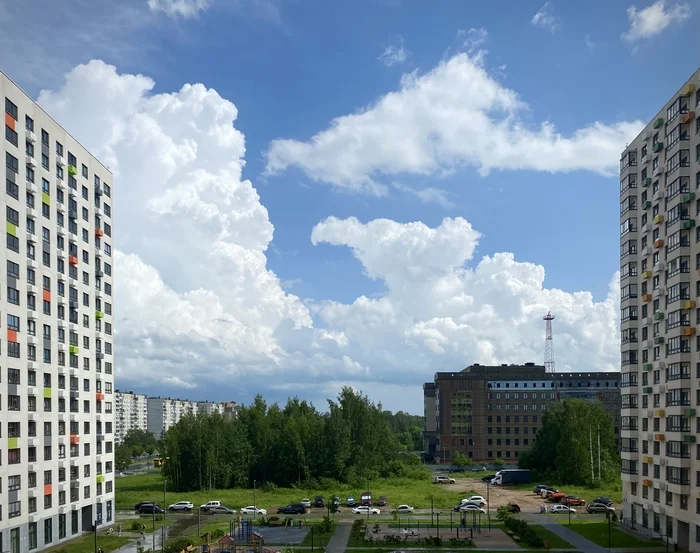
562, 509
306, 502
210, 505
469, 507
475, 499
181, 506
403, 509
252, 510
365, 510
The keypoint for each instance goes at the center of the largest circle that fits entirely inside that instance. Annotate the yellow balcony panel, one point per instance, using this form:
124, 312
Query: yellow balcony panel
659, 437
659, 413
648, 459
647, 274
690, 304
646, 297
688, 331
12, 443
687, 90
658, 219
687, 117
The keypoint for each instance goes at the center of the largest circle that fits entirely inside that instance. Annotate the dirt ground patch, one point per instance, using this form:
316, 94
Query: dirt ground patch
502, 495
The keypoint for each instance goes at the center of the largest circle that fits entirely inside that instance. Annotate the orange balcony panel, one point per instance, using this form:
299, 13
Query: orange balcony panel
659, 437
689, 331
647, 483
74, 260
99, 396
48, 489
687, 117
47, 295
9, 121
12, 335
98, 232
74, 439
658, 243
646, 297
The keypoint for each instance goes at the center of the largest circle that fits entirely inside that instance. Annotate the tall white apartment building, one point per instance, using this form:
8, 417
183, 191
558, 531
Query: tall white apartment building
131, 412
165, 412
56, 416
660, 318
209, 407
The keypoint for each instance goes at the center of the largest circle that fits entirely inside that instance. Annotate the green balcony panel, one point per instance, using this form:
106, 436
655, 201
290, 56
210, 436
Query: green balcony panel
47, 392
689, 438
72, 171
45, 198
99, 315
690, 223
659, 316
689, 412
646, 182
688, 197
12, 443
658, 146
659, 340
658, 122
73, 350
100, 478
647, 390
646, 205
646, 367
11, 229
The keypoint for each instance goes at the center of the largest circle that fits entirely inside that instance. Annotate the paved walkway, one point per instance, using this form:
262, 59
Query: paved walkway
578, 541
339, 539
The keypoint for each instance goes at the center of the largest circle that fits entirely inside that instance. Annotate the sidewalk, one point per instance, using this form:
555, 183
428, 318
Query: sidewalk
578, 541
339, 540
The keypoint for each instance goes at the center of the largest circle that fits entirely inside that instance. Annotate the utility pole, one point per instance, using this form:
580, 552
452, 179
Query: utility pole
600, 475
162, 538
488, 502
255, 507
165, 502
590, 446
154, 519
438, 525
199, 521
95, 527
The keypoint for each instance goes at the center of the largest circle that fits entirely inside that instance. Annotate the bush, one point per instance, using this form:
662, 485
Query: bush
325, 525
269, 487
521, 529
176, 545
503, 513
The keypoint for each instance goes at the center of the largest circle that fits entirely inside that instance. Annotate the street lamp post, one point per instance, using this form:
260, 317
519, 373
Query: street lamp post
255, 507
431, 510
165, 502
438, 525
488, 503
95, 527
569, 515
609, 530
154, 516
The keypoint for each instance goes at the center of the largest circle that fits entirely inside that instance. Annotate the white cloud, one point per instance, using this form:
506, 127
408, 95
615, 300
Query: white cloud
590, 44
546, 19
427, 195
197, 308
653, 19
473, 40
456, 115
394, 53
178, 8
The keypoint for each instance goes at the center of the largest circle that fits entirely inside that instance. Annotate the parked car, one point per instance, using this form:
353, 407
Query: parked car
253, 510
210, 505
556, 496
350, 501
319, 503
306, 502
141, 504
444, 480
381, 502
365, 510
478, 469
604, 500
403, 509
457, 471
513, 508
470, 507
562, 509
537, 490
181, 506
488, 477
292, 509
220, 510
366, 498
599, 508
149, 509
572, 501
479, 500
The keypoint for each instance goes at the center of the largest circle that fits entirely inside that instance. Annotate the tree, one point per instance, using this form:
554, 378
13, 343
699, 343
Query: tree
569, 435
122, 457
461, 460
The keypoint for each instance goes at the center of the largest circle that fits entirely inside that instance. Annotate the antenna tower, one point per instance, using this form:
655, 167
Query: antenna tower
548, 344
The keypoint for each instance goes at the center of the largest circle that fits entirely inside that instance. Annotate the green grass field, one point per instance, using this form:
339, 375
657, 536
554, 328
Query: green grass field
86, 544
133, 489
555, 542
597, 532
320, 539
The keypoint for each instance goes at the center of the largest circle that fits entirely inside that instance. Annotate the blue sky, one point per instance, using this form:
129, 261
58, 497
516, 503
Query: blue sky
292, 67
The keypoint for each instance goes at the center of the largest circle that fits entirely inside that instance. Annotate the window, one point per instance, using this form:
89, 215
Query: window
29, 123
11, 136
11, 109
13, 295
11, 162
12, 189
48, 529
32, 536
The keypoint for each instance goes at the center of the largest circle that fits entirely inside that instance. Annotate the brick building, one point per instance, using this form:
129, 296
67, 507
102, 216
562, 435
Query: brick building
489, 413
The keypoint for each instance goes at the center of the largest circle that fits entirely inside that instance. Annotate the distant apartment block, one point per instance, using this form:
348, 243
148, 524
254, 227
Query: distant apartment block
130, 412
164, 412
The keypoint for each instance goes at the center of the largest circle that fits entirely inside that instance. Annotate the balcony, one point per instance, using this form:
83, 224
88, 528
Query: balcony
687, 90
646, 297
646, 204
99, 232
658, 122
646, 389
659, 437
659, 340
690, 223
687, 117
659, 316
72, 260
658, 243
72, 171
690, 304
74, 439
74, 350
688, 412
689, 438
647, 483
658, 219
646, 367
99, 396
99, 315
657, 148
646, 183
646, 275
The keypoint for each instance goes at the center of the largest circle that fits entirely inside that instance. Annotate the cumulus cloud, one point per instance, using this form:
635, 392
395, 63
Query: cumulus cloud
457, 115
653, 19
546, 19
197, 309
178, 8
394, 53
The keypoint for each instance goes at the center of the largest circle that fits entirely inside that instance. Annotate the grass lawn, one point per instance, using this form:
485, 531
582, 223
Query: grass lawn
143, 487
86, 544
597, 532
613, 491
320, 539
554, 541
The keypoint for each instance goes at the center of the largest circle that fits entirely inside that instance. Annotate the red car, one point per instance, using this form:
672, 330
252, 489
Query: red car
572, 501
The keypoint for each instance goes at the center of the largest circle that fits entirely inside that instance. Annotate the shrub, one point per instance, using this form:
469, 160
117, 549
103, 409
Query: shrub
269, 487
325, 525
503, 513
176, 545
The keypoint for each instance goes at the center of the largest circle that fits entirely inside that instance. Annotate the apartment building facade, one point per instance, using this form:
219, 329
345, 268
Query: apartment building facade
130, 413
660, 345
56, 417
164, 412
494, 412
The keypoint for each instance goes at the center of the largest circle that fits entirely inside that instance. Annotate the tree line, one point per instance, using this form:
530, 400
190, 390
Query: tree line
293, 445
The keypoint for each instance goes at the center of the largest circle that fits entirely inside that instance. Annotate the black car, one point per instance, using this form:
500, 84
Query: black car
141, 504
381, 502
603, 500
149, 509
538, 489
513, 508
488, 478
318, 502
292, 509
